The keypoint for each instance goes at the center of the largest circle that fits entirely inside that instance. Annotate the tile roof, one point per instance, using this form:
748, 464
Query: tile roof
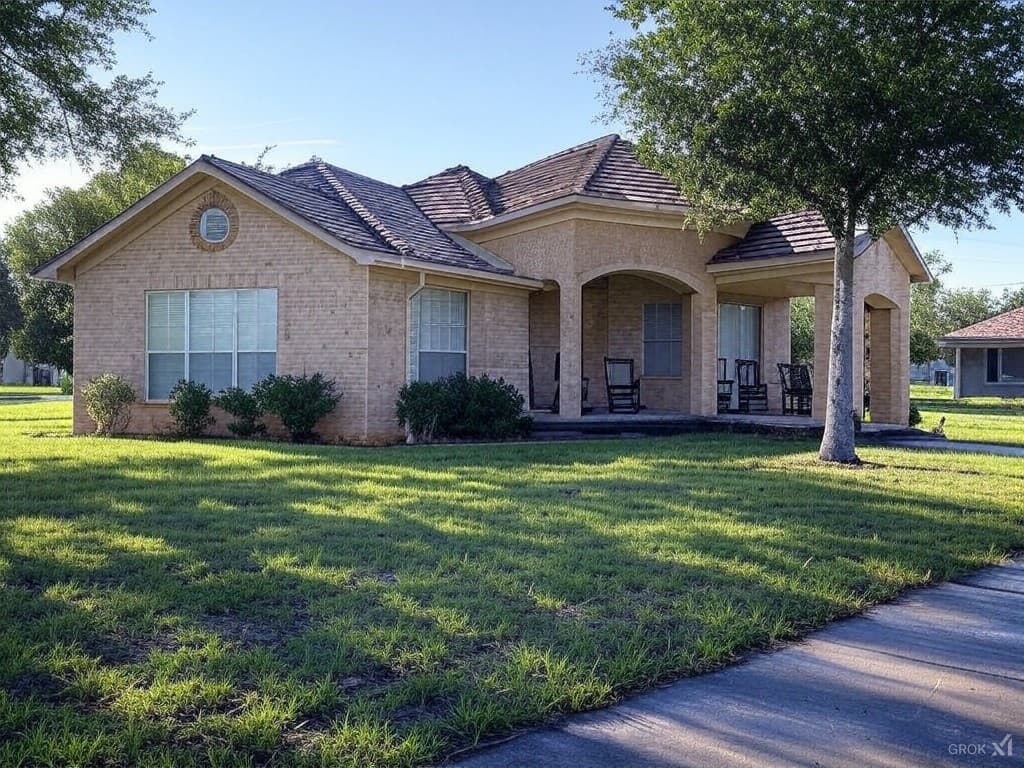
1008, 325
605, 167
358, 210
790, 234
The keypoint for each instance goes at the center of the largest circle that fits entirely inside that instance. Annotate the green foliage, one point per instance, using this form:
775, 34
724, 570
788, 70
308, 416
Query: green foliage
246, 409
873, 113
56, 90
298, 401
10, 311
67, 384
914, 416
801, 330
461, 406
63, 217
190, 408
108, 398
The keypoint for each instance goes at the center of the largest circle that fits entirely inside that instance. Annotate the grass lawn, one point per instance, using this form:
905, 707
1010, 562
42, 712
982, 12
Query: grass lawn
219, 603
979, 419
7, 390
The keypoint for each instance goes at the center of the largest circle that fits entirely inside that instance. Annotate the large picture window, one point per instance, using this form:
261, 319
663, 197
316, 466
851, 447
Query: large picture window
1005, 365
437, 334
218, 338
663, 339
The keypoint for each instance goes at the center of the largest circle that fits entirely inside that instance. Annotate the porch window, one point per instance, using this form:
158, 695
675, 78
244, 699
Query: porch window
663, 339
739, 334
218, 338
437, 334
1008, 363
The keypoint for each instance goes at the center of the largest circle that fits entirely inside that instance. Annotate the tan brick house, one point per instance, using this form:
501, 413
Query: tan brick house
226, 273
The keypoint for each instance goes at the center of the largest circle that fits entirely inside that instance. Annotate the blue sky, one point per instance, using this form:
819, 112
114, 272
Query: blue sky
400, 90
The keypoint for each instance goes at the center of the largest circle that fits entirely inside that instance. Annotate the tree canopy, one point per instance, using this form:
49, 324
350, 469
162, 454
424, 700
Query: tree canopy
10, 311
53, 103
63, 218
875, 114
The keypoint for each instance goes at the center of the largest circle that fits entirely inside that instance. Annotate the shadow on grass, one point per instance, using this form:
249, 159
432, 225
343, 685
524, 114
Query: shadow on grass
391, 605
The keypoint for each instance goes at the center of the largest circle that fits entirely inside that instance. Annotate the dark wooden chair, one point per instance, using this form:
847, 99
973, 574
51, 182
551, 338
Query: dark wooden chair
584, 386
749, 389
623, 387
797, 389
724, 386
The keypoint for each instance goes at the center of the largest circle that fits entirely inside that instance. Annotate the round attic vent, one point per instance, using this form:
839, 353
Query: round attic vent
214, 225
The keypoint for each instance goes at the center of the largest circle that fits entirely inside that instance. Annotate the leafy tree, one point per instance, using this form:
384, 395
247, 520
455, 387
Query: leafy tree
961, 307
53, 104
10, 312
801, 329
63, 218
1011, 299
873, 113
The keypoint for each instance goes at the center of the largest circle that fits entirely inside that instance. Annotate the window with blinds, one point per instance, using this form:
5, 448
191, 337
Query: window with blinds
220, 338
663, 339
437, 334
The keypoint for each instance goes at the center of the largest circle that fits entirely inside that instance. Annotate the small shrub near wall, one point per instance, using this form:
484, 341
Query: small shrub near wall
298, 401
462, 407
108, 398
190, 408
246, 409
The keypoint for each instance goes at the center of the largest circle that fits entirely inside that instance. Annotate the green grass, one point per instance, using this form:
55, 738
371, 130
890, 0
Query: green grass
7, 390
978, 419
227, 603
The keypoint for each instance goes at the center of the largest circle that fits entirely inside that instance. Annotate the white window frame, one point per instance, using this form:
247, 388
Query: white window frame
644, 341
412, 354
187, 352
204, 220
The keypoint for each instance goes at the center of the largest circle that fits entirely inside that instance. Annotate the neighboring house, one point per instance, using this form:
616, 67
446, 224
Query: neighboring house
989, 356
17, 371
225, 273
934, 372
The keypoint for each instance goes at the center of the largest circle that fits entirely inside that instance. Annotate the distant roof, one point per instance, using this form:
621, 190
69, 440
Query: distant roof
787, 235
605, 168
1006, 326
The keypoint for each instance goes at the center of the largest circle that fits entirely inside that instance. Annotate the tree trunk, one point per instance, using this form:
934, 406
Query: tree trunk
837, 443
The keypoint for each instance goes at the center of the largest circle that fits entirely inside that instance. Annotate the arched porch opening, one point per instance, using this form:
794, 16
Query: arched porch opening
626, 313
880, 382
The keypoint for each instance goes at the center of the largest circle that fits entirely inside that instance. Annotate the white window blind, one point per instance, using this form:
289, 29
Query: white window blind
220, 338
437, 334
663, 339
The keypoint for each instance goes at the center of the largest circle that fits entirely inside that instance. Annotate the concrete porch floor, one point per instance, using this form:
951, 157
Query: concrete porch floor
600, 421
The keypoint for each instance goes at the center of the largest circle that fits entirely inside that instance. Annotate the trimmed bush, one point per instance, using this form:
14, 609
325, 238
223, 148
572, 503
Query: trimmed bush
298, 401
67, 385
108, 398
246, 409
461, 406
915, 416
190, 408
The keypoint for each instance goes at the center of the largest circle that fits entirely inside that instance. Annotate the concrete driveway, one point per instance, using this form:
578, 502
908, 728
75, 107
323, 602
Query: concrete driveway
934, 679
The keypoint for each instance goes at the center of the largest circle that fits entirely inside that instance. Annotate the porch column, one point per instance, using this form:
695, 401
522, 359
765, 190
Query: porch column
860, 330
822, 341
776, 346
704, 353
570, 349
890, 370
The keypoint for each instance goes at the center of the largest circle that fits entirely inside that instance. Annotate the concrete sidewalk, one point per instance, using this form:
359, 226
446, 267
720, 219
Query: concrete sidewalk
934, 679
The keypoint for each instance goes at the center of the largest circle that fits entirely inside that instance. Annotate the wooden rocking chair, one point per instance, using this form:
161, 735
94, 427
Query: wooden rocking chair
797, 389
749, 387
724, 386
623, 388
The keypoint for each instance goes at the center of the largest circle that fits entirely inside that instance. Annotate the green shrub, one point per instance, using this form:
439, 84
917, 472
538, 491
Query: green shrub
246, 409
915, 416
67, 385
108, 398
461, 406
190, 408
298, 401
